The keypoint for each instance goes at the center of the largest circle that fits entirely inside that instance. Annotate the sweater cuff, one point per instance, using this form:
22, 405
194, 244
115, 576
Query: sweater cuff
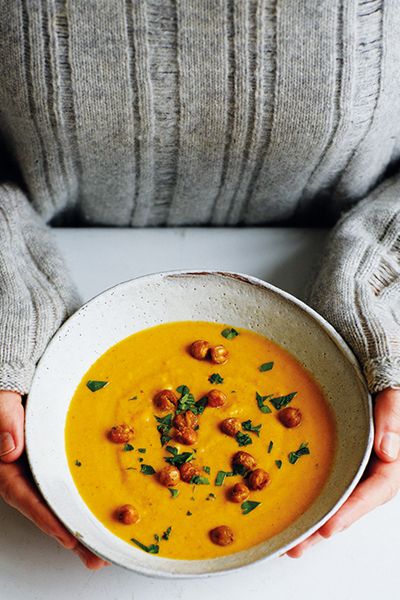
382, 373
16, 378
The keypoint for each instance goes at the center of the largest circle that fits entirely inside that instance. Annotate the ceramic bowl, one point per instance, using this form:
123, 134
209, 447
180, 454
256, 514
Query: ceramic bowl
225, 297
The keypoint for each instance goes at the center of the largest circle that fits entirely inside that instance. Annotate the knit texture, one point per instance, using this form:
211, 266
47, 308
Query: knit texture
201, 112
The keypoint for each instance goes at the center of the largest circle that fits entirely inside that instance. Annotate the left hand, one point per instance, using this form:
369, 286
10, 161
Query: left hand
381, 481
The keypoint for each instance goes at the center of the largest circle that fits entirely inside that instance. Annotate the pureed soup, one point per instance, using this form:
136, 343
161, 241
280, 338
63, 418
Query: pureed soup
192, 439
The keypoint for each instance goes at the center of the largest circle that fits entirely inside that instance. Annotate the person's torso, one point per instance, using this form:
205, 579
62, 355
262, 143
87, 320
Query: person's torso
167, 112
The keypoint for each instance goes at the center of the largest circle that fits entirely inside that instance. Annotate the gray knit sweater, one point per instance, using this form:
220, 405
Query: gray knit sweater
206, 112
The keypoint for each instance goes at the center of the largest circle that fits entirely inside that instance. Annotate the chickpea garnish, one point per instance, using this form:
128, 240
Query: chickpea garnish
186, 436
199, 349
120, 434
215, 398
169, 476
127, 514
258, 479
219, 355
189, 470
239, 493
244, 459
230, 426
165, 400
185, 419
290, 417
222, 535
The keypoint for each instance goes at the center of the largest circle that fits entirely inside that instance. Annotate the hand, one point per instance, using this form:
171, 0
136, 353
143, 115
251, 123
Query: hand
381, 481
16, 486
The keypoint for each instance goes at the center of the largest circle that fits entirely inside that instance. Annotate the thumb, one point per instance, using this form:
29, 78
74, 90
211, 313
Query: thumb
387, 424
11, 426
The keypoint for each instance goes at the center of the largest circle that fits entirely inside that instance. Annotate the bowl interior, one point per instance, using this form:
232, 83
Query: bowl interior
210, 296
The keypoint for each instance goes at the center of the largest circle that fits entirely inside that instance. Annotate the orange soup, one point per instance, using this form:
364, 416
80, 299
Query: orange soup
193, 440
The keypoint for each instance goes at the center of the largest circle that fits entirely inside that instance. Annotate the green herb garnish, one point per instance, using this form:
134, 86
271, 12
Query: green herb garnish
152, 549
78, 463
133, 398
229, 333
278, 463
216, 378
211, 496
294, 456
207, 470
270, 446
179, 459
220, 478
140, 459
248, 506
266, 366
260, 402
200, 406
186, 401
248, 426
167, 533
164, 426
128, 448
95, 386
174, 492
240, 470
156, 537
142, 450
243, 439
189, 513
147, 469
199, 480
282, 401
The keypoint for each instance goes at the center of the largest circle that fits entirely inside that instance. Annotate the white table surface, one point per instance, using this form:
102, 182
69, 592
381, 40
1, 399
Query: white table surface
360, 563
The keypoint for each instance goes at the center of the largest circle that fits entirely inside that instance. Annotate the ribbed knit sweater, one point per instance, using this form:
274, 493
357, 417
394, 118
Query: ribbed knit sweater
201, 112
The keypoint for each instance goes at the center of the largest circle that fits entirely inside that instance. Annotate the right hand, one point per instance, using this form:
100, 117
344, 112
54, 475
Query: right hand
17, 487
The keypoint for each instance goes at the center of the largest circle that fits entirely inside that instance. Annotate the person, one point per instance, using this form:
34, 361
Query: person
207, 112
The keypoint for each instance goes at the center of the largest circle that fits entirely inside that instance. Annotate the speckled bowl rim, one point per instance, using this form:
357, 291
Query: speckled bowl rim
329, 330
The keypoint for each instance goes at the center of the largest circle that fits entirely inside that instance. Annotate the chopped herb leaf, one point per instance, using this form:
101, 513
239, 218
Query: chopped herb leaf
167, 533
270, 446
220, 478
133, 398
248, 506
216, 378
240, 470
140, 459
207, 470
278, 463
174, 492
128, 448
266, 366
147, 469
282, 401
294, 456
211, 496
199, 480
78, 463
152, 549
182, 389
163, 427
178, 459
200, 406
243, 439
142, 450
95, 386
186, 401
260, 402
172, 449
248, 426
229, 333
189, 513
156, 537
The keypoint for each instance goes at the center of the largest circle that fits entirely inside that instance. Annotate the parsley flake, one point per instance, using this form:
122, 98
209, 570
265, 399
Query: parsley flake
147, 469
266, 366
260, 402
229, 333
282, 401
95, 386
152, 549
294, 456
248, 426
243, 439
216, 378
248, 505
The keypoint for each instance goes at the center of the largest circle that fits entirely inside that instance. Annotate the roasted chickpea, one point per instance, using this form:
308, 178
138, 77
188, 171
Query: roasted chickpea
244, 459
186, 436
290, 417
169, 476
199, 349
165, 400
185, 419
120, 434
215, 398
189, 470
222, 535
230, 426
127, 514
219, 355
239, 492
258, 479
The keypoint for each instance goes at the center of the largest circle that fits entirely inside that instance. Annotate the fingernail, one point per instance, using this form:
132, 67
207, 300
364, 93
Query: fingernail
390, 444
7, 443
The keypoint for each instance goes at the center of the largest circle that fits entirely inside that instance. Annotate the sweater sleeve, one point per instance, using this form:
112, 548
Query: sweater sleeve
358, 286
36, 293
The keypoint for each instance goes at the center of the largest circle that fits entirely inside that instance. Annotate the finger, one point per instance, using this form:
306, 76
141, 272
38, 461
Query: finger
11, 426
298, 551
89, 559
387, 424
